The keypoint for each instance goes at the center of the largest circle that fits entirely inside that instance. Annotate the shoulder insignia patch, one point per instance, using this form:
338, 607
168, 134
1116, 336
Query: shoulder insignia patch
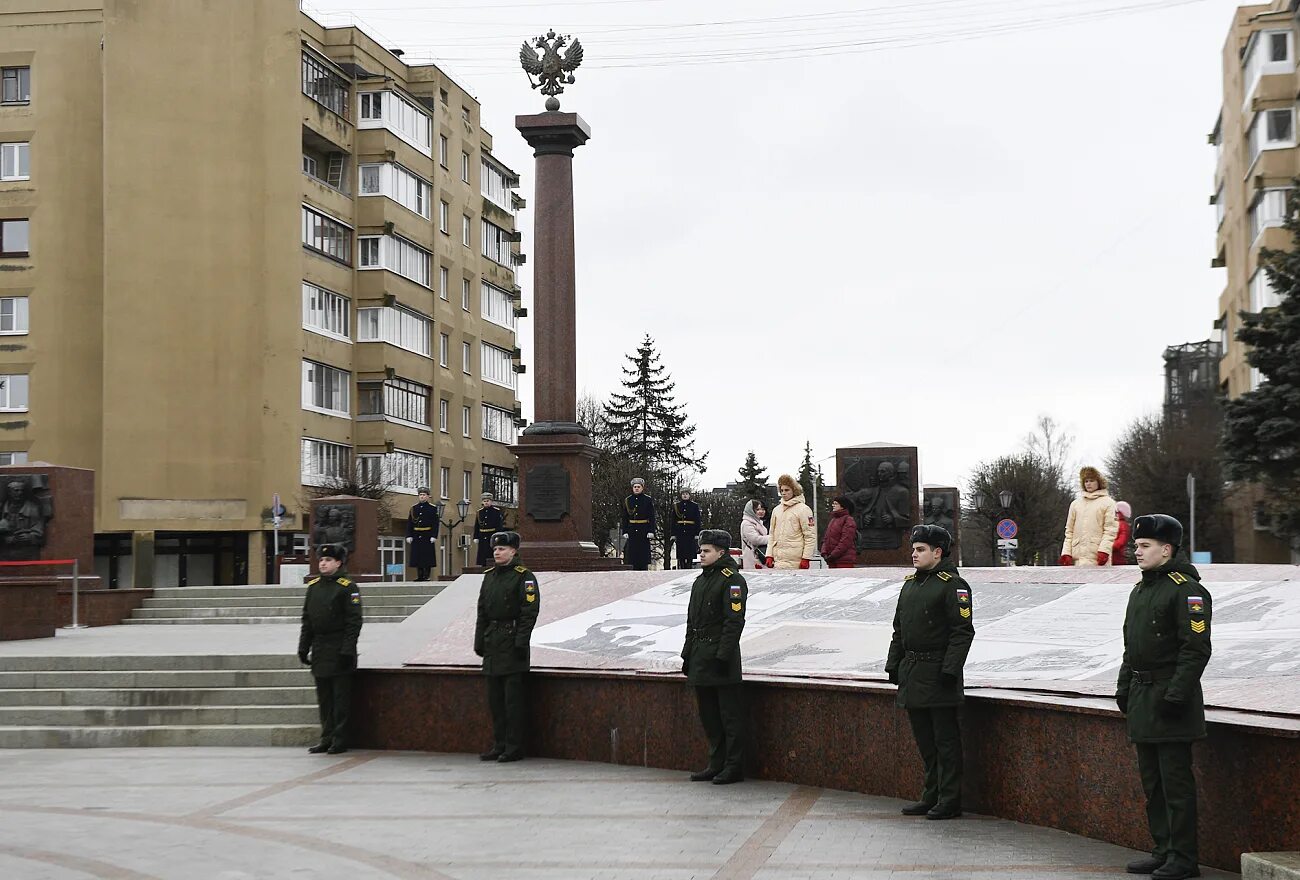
736, 603
910, 577
945, 575
345, 582
521, 568
1178, 577
1195, 605
963, 597
1198, 626
356, 598
530, 591
965, 612
726, 572
313, 580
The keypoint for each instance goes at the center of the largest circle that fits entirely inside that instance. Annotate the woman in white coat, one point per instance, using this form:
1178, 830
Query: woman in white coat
1091, 526
792, 541
753, 535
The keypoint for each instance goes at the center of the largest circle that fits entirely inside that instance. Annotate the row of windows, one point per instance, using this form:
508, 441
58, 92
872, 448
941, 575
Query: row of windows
1267, 209
407, 471
496, 244
396, 326
1270, 130
396, 254
1269, 52
392, 180
392, 111
15, 161
498, 424
495, 185
324, 86
497, 306
323, 233
498, 367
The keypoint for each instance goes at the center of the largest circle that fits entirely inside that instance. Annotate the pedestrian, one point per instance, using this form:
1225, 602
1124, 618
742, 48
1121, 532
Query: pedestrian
685, 527
792, 540
1090, 526
327, 642
1123, 513
508, 602
933, 630
1166, 648
638, 521
422, 526
840, 543
753, 534
715, 619
487, 523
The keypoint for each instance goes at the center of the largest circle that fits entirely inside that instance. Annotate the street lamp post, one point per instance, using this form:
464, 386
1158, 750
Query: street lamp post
462, 507
1005, 499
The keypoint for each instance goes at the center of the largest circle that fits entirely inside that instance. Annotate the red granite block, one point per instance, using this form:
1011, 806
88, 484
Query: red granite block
29, 608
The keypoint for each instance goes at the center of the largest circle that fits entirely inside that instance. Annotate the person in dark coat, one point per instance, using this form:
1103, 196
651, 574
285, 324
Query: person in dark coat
933, 630
840, 543
638, 521
331, 625
422, 526
715, 619
1166, 648
508, 602
487, 523
685, 527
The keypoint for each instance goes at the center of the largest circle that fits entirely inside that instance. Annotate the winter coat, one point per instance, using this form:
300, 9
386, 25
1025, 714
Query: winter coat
839, 544
508, 602
715, 619
331, 624
1090, 527
792, 536
934, 626
753, 539
1119, 556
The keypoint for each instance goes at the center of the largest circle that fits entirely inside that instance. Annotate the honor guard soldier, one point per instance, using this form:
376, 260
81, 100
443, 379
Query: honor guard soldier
422, 526
508, 602
715, 619
489, 521
1166, 647
638, 519
331, 624
933, 630
685, 527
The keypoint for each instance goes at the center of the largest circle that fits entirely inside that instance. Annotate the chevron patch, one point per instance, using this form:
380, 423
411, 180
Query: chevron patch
1198, 626
965, 612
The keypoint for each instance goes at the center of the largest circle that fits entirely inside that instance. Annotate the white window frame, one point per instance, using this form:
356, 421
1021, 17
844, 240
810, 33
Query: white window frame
403, 470
467, 484
494, 186
444, 281
397, 255
497, 366
467, 358
443, 410
313, 450
444, 482
466, 424
496, 247
466, 293
392, 111
1257, 143
442, 150
326, 313
497, 306
21, 95
444, 217
398, 184
466, 230
1220, 208
343, 234
1257, 62
308, 389
13, 311
1262, 294
8, 458
396, 325
464, 167
1267, 209
17, 158
498, 424
394, 396
444, 349
15, 391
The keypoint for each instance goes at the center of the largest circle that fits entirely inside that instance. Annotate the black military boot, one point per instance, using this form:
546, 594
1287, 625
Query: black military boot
1145, 865
704, 775
318, 748
920, 808
336, 749
728, 776
944, 811
510, 757
1172, 871
490, 756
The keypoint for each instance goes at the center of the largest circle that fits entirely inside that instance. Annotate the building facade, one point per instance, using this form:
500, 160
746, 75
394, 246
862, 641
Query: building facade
247, 254
1257, 158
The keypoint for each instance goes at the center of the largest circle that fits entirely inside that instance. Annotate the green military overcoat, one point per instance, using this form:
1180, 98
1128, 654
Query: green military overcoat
508, 602
714, 620
934, 617
331, 623
1167, 641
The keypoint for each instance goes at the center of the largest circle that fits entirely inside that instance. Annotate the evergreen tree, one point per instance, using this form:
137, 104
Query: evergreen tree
753, 478
810, 476
1261, 436
646, 424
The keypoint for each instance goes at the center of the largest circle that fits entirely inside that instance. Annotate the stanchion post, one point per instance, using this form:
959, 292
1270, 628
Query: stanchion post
76, 578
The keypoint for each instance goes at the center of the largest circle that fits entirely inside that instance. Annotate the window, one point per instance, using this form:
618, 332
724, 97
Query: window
465, 231
392, 180
15, 85
464, 114
442, 150
444, 482
442, 416
402, 117
325, 312
1225, 334
396, 254
444, 348
396, 326
464, 166
13, 393
1220, 208
444, 217
310, 166
498, 424
403, 471
497, 306
13, 238
466, 416
397, 399
496, 185
323, 85
1271, 130
1262, 294
325, 389
13, 458
496, 243
322, 460
1267, 209
442, 95
464, 293
502, 482
497, 366
13, 316
444, 281
1267, 53
466, 353
15, 161
327, 236
467, 484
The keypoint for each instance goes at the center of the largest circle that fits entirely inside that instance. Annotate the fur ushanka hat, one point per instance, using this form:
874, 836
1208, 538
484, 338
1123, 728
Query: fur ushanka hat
1091, 473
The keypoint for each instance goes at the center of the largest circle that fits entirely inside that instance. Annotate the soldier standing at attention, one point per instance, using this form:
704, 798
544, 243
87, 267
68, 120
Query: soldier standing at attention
933, 631
508, 602
489, 521
422, 526
711, 657
331, 624
685, 528
1166, 647
638, 519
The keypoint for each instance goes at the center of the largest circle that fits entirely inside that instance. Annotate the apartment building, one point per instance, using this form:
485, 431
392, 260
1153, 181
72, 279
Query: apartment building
243, 254
1257, 159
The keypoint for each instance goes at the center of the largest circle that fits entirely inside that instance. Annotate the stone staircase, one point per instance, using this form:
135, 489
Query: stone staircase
381, 603
182, 700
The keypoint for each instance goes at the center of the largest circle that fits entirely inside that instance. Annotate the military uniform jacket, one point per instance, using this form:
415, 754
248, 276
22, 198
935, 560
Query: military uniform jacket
934, 626
686, 520
489, 521
422, 527
715, 619
331, 623
1166, 647
508, 602
638, 515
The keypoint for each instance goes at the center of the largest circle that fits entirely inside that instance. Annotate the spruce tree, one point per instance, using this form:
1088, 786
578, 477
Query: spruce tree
645, 423
810, 476
753, 478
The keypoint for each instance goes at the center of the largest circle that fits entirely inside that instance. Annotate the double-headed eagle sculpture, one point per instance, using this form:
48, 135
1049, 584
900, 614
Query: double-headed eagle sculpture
553, 70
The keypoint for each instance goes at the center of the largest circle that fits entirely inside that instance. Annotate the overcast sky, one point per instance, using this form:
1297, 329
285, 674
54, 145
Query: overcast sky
979, 212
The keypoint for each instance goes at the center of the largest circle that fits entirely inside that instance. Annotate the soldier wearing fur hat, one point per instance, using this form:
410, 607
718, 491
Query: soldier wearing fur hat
638, 520
422, 525
1090, 526
715, 619
933, 629
487, 523
508, 602
1166, 648
685, 527
327, 642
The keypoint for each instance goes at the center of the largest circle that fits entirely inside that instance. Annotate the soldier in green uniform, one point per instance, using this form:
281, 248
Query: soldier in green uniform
933, 630
508, 602
1166, 647
331, 624
711, 657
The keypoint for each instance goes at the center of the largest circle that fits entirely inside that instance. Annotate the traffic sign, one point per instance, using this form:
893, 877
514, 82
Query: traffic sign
1008, 543
1007, 528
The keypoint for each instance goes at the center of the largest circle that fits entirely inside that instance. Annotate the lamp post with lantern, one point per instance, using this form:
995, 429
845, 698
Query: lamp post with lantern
1002, 525
462, 507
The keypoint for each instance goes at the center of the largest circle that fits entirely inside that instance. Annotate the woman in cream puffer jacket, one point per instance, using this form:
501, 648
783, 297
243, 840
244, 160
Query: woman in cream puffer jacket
1091, 527
792, 539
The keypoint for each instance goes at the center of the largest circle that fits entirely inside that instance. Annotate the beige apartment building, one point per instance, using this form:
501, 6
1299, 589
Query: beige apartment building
1257, 158
240, 254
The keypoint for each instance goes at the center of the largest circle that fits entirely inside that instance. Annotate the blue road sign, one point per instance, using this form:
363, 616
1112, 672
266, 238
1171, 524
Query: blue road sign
1007, 528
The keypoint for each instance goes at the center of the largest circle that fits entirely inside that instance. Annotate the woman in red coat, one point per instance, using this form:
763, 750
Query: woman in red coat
1123, 513
839, 544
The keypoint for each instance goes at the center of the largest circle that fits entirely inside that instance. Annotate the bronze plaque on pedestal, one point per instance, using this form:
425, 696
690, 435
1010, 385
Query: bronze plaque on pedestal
548, 492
